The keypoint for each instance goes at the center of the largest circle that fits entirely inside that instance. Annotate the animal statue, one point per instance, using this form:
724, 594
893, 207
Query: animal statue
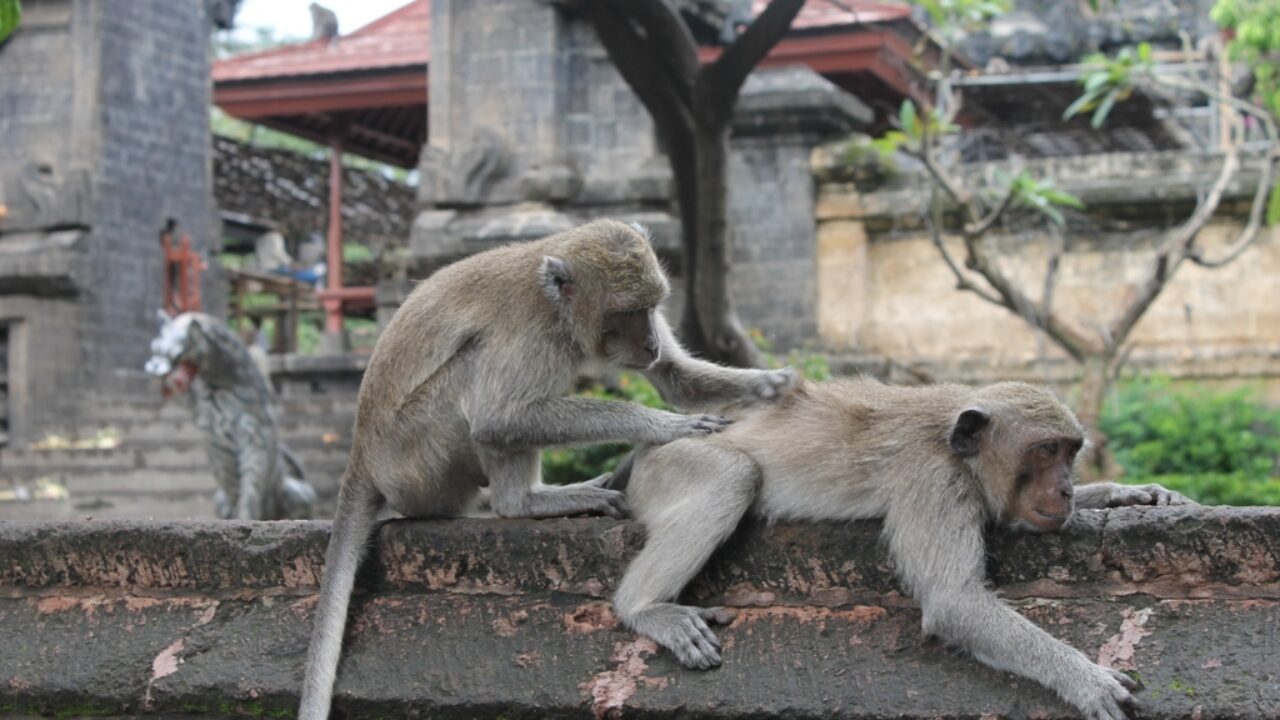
200, 359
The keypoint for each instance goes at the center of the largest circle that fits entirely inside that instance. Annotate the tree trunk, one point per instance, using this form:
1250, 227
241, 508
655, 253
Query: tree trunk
710, 303
1095, 380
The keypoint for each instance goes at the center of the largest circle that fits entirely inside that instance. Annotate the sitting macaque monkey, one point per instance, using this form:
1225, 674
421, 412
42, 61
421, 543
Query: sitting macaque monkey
468, 382
939, 464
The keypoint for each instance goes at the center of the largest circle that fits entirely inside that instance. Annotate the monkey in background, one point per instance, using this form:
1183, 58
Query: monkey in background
939, 464
468, 382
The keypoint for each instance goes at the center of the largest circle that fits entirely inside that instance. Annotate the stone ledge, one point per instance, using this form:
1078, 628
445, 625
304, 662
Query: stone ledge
488, 618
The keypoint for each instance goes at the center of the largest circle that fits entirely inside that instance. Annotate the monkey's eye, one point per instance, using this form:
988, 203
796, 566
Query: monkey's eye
1048, 449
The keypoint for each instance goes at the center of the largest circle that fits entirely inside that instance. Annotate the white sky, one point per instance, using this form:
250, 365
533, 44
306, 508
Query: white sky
292, 19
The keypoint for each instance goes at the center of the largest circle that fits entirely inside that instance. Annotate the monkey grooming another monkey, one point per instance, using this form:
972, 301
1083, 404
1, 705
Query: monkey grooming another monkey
938, 463
469, 380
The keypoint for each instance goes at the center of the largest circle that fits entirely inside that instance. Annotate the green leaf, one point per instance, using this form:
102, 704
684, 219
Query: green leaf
1084, 103
909, 120
1054, 214
10, 16
1104, 109
1144, 52
1065, 199
1273, 205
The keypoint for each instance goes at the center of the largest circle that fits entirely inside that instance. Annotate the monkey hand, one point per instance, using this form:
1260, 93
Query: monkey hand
1105, 694
773, 383
681, 426
1114, 495
1148, 495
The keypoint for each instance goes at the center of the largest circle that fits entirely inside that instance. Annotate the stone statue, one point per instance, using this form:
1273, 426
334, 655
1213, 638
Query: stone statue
200, 359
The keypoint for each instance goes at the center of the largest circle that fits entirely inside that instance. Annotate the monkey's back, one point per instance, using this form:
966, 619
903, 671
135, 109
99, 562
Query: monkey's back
823, 448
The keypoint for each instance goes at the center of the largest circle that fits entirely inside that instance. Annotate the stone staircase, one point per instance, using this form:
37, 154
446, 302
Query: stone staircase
158, 466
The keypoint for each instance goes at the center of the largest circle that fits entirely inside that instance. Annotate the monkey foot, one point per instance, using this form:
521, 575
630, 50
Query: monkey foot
683, 630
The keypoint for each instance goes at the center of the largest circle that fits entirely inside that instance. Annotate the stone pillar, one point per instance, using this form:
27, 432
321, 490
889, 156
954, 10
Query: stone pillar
781, 116
532, 131
104, 135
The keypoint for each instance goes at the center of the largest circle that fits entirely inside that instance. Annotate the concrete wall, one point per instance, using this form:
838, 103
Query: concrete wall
883, 288
211, 619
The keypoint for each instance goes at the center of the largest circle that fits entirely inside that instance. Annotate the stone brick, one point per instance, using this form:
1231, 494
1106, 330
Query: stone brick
479, 618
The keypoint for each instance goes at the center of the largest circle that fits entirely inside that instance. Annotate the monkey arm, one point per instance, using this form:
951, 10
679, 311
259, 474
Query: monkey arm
939, 553
574, 420
687, 382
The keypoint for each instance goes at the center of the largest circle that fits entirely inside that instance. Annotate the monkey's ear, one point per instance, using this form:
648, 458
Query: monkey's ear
644, 232
964, 436
557, 279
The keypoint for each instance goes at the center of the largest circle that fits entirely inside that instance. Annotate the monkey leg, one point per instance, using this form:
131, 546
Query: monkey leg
690, 496
515, 481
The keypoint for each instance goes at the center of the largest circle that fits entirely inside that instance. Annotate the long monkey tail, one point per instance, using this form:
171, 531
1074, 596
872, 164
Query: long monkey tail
358, 505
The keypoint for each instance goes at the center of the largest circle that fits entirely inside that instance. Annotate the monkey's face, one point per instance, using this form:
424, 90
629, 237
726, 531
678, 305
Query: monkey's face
1022, 443
630, 339
1044, 485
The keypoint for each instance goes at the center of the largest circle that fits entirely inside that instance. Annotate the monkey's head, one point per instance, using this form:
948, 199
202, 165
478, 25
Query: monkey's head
607, 284
1022, 442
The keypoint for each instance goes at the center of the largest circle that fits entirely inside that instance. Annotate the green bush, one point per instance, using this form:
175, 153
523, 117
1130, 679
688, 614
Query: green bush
1155, 429
1215, 447
1219, 488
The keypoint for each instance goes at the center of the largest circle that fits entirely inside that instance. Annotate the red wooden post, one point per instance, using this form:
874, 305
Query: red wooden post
333, 299
183, 265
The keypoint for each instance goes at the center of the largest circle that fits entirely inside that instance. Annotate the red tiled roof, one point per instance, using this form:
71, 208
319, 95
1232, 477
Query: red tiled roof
402, 39
825, 13
397, 39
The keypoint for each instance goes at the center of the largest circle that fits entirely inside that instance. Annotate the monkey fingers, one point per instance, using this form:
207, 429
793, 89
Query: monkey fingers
775, 382
682, 630
695, 425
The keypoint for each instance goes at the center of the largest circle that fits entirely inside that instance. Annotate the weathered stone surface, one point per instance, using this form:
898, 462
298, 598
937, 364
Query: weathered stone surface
489, 618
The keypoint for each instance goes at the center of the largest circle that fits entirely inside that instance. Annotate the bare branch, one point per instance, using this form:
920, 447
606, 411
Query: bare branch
996, 213
1175, 248
962, 280
720, 81
960, 197
1051, 271
1251, 230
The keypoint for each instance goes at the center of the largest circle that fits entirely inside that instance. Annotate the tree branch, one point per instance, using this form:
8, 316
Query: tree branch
1250, 231
1175, 248
669, 38
996, 213
720, 81
631, 53
962, 280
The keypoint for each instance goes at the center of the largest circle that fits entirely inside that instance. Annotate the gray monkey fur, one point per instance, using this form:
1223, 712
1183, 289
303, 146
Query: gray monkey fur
856, 449
469, 380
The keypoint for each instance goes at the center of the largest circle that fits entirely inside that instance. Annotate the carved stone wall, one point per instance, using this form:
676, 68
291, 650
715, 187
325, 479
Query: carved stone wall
883, 288
103, 136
